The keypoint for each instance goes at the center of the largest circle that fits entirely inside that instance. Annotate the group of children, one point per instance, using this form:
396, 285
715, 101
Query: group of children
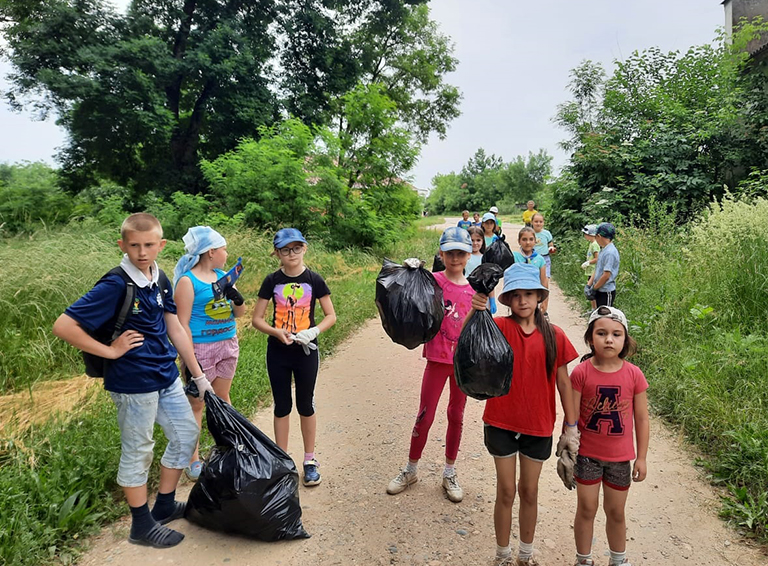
604, 402
601, 399
198, 324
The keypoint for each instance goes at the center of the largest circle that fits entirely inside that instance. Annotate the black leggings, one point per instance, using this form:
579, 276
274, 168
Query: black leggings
284, 362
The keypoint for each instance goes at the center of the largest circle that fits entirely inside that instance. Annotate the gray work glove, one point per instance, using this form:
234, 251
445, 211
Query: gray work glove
567, 450
203, 385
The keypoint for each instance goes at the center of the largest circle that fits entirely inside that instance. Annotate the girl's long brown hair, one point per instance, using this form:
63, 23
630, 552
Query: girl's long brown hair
550, 340
478, 231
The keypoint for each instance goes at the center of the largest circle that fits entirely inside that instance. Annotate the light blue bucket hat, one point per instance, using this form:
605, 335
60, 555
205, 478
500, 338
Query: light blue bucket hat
522, 276
489, 216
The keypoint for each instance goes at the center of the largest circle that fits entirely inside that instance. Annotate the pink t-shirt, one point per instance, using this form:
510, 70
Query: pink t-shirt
457, 301
606, 415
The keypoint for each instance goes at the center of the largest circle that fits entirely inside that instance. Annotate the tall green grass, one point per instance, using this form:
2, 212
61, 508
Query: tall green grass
697, 298
57, 479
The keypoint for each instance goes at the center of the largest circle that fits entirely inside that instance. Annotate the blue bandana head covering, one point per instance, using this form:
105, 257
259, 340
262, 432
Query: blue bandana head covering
197, 241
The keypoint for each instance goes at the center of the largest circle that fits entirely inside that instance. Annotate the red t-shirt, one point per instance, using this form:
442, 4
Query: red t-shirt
606, 415
457, 301
529, 407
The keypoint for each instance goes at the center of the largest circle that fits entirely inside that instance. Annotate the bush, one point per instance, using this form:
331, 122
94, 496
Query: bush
29, 197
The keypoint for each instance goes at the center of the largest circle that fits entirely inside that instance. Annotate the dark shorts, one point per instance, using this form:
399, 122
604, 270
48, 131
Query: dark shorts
616, 475
503, 443
605, 299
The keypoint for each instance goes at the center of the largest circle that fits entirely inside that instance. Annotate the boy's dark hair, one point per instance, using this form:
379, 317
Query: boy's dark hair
479, 232
629, 349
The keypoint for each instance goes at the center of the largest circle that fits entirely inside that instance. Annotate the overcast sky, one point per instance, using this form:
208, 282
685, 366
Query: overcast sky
514, 59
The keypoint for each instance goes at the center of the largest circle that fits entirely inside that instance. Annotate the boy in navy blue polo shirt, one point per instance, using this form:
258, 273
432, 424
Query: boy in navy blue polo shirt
142, 377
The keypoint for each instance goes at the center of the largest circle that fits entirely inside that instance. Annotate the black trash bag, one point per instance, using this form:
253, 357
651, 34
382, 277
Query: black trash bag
248, 485
499, 253
485, 277
437, 264
483, 360
410, 304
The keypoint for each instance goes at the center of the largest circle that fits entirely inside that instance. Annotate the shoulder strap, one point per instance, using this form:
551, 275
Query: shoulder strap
162, 281
130, 295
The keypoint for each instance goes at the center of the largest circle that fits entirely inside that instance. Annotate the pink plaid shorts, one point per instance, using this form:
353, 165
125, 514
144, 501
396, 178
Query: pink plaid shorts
218, 359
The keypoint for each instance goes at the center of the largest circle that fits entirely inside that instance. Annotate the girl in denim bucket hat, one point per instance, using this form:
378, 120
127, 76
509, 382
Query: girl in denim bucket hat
518, 426
292, 345
455, 250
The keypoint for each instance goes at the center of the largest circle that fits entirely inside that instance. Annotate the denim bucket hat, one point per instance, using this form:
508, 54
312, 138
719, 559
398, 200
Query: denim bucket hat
489, 216
455, 238
522, 276
286, 236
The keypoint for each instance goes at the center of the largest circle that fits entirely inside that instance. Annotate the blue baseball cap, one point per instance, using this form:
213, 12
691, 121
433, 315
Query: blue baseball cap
522, 276
455, 238
287, 235
488, 216
606, 230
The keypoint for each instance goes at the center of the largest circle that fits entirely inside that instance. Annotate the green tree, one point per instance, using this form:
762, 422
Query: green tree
30, 196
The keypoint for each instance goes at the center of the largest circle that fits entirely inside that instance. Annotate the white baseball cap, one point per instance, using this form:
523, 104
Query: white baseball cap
609, 312
494, 210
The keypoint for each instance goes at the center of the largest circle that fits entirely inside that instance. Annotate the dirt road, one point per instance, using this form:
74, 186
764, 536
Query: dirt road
367, 398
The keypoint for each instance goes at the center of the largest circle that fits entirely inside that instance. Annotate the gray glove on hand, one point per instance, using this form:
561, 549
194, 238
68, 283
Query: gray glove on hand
567, 449
585, 265
413, 263
305, 338
203, 385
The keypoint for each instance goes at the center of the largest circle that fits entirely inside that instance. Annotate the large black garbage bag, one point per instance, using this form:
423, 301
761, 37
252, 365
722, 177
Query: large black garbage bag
410, 303
248, 486
499, 253
483, 360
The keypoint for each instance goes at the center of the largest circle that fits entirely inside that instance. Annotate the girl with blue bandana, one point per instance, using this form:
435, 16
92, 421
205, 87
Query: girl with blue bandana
209, 318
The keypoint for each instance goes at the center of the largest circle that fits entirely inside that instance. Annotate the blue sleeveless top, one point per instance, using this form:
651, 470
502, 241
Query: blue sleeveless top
212, 320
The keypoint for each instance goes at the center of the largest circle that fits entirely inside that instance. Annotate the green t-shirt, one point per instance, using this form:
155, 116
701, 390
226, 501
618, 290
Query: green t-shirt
594, 248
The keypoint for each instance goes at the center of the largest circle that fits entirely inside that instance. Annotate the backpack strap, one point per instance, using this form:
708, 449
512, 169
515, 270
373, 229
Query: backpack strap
130, 295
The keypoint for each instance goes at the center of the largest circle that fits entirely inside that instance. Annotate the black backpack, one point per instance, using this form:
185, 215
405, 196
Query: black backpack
96, 366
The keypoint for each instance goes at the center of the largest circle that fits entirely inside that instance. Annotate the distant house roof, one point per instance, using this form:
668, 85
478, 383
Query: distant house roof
735, 10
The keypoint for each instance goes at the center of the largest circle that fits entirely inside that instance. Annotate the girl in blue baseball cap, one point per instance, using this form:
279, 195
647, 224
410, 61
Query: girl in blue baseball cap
518, 426
292, 344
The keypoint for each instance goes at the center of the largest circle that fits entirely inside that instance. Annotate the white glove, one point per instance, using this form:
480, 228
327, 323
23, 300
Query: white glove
585, 265
305, 338
203, 385
413, 263
570, 441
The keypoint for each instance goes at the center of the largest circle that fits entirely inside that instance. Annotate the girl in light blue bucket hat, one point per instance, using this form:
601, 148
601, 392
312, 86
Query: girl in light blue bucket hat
518, 426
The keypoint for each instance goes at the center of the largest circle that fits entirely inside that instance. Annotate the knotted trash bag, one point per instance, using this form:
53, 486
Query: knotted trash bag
499, 253
410, 302
248, 485
483, 360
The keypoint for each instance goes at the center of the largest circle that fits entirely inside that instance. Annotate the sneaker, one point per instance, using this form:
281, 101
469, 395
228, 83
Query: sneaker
624, 562
401, 482
193, 470
311, 475
452, 488
504, 561
585, 562
528, 562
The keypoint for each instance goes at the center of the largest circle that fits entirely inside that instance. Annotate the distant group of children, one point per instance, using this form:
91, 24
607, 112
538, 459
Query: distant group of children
603, 400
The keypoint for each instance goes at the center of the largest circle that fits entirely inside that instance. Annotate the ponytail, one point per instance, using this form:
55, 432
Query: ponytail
550, 340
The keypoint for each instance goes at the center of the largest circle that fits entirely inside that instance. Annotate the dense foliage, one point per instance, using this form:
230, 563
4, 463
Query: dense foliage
145, 95
487, 180
663, 127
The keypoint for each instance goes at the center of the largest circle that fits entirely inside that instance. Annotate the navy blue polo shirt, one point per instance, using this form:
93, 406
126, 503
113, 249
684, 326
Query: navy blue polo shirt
149, 367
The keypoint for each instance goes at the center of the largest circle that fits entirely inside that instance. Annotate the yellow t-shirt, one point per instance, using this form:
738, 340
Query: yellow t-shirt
528, 215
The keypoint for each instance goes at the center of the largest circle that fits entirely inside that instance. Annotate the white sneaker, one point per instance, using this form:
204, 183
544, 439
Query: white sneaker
504, 561
401, 482
452, 488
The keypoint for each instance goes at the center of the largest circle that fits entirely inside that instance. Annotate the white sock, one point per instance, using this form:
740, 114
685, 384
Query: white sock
526, 550
581, 558
450, 470
411, 467
503, 551
617, 557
